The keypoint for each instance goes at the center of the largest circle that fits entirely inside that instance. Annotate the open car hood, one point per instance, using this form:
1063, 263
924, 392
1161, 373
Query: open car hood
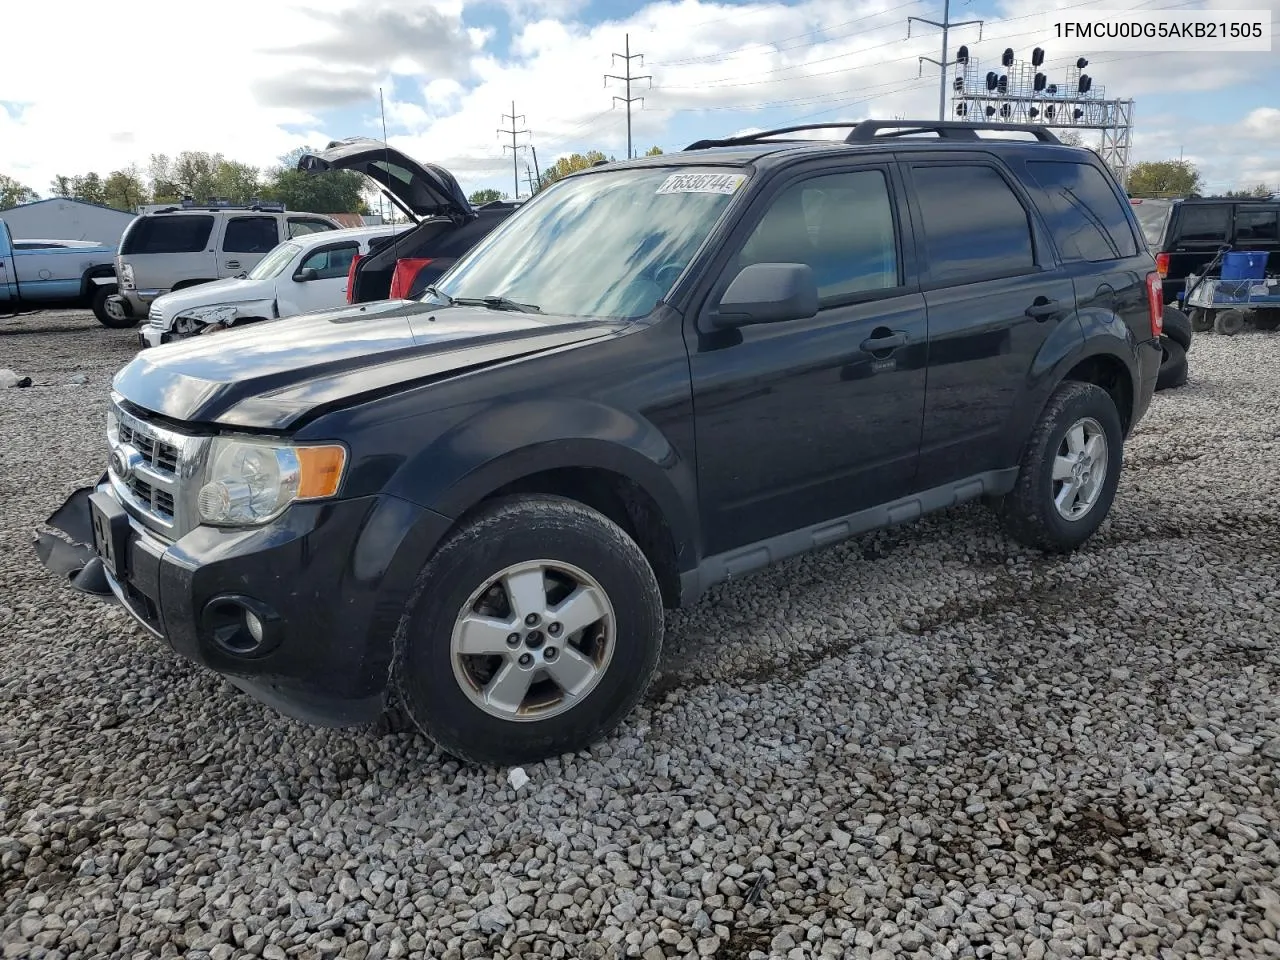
425, 188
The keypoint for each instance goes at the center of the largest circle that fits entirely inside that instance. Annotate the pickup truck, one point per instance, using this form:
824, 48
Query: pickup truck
38, 274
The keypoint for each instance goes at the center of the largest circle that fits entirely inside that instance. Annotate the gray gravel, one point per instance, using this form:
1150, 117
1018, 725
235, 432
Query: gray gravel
925, 743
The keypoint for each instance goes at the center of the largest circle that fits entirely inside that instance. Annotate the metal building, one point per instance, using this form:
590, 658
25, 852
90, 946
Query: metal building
61, 219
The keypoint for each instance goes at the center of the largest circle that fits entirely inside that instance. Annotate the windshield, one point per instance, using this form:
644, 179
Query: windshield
1152, 216
608, 244
274, 262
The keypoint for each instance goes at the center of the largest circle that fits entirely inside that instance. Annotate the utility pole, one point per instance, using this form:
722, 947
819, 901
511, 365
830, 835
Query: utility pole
628, 77
946, 26
514, 146
528, 175
536, 169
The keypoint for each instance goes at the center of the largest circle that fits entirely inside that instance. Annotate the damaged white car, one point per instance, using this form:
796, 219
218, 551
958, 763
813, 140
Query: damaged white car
302, 275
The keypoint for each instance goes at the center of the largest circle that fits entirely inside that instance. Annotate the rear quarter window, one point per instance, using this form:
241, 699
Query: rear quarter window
1086, 218
1204, 223
187, 233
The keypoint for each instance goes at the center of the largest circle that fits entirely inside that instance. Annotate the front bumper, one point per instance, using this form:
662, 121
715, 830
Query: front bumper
152, 336
329, 583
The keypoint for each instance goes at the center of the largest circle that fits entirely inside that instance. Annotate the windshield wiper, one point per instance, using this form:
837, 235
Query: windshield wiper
497, 303
439, 294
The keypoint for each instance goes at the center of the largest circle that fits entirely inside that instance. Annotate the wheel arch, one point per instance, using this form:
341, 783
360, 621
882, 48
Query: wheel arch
87, 287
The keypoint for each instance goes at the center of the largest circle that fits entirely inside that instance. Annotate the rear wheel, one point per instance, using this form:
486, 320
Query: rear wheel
1069, 472
1229, 322
110, 313
533, 631
1201, 320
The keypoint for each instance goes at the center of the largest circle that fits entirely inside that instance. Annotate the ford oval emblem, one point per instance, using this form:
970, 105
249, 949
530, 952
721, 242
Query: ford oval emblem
123, 462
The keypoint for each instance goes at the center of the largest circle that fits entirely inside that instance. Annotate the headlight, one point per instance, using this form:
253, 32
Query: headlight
249, 482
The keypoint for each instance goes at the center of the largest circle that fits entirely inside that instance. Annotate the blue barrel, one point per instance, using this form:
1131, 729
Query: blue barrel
1244, 265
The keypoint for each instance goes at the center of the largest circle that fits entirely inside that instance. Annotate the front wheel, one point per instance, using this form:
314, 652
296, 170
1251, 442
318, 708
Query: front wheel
533, 631
1069, 472
110, 313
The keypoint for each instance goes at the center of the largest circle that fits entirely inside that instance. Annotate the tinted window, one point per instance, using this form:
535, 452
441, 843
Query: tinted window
250, 235
1086, 218
1153, 215
974, 224
301, 226
1257, 225
840, 225
177, 234
331, 263
1205, 223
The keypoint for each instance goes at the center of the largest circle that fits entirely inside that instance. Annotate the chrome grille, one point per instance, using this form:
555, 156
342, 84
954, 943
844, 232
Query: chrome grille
153, 471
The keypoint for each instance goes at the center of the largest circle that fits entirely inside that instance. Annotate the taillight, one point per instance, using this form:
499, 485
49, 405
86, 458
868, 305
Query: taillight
1155, 301
407, 269
351, 279
1162, 264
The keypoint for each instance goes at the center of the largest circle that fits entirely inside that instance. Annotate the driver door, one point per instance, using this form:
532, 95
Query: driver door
331, 263
805, 421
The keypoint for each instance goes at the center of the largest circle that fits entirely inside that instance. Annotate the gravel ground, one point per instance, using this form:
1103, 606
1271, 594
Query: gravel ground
923, 743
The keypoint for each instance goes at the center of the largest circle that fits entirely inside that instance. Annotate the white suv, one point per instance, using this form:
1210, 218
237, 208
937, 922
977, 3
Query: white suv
299, 276
185, 244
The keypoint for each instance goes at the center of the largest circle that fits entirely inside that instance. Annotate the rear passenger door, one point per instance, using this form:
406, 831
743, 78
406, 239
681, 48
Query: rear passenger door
993, 298
245, 241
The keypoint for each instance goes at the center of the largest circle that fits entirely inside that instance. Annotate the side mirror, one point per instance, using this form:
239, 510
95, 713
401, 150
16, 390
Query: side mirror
306, 274
768, 293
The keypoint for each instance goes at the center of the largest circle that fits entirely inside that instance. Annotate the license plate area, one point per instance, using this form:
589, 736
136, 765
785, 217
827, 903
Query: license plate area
110, 525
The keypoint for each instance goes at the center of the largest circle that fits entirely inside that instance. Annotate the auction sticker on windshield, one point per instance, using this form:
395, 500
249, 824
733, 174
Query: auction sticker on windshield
702, 183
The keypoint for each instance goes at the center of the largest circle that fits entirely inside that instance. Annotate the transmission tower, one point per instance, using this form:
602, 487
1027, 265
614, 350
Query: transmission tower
515, 147
946, 26
628, 77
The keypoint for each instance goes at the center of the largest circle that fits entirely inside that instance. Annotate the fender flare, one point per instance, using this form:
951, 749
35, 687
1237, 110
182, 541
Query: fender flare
89, 281
556, 433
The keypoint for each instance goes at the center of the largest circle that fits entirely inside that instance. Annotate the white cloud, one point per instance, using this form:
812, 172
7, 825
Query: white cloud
103, 96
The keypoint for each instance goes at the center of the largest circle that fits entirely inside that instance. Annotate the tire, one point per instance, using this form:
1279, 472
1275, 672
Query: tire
1177, 326
1201, 320
1229, 322
100, 310
1173, 364
452, 697
1029, 512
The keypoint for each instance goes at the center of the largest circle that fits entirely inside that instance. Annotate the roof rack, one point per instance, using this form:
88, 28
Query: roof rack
867, 131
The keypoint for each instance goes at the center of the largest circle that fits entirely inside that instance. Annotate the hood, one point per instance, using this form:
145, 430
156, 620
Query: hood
231, 290
426, 189
271, 376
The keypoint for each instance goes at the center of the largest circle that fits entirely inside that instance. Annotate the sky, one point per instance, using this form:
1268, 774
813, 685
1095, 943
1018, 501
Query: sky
85, 90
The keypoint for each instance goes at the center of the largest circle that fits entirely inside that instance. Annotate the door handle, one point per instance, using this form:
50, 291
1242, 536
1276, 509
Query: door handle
233, 264
886, 341
1043, 309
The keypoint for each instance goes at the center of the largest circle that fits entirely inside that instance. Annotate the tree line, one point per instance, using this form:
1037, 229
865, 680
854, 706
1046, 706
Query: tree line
1180, 178
557, 171
201, 175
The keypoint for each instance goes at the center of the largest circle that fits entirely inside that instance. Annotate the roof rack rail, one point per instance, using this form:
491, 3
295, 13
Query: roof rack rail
866, 131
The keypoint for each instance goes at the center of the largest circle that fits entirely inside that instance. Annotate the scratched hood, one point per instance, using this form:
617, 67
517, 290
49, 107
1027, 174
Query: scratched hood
271, 375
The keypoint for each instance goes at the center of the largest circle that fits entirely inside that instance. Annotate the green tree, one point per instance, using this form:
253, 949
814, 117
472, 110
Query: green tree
487, 195
336, 191
13, 193
60, 185
1257, 191
237, 182
164, 184
124, 189
88, 187
1164, 178
572, 164
653, 152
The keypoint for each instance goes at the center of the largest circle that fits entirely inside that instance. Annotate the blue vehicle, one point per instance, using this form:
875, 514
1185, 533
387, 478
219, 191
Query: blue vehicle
40, 274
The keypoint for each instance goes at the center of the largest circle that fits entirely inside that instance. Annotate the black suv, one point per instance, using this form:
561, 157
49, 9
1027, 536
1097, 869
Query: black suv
655, 375
1185, 235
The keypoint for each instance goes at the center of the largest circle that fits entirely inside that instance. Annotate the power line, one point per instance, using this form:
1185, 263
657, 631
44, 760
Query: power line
772, 45
628, 99
515, 146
